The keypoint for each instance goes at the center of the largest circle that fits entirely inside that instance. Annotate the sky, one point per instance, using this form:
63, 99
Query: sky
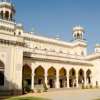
52, 17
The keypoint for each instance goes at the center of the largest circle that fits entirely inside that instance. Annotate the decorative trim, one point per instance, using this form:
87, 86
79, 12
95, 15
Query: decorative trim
8, 42
59, 61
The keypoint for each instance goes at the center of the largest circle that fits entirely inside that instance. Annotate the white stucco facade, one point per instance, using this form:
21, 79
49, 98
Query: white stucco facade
56, 63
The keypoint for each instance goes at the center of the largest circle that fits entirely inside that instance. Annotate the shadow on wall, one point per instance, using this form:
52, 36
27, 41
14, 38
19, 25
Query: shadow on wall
10, 89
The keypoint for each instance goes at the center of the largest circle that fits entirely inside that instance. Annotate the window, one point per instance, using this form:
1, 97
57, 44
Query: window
7, 15
1, 78
1, 15
19, 33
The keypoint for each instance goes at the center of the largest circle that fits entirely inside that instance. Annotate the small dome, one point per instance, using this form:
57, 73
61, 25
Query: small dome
19, 25
78, 28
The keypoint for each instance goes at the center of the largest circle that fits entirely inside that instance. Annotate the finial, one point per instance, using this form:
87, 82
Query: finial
33, 31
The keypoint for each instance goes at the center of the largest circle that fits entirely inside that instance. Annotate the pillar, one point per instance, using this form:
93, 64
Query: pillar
85, 80
57, 79
77, 85
32, 81
46, 78
67, 79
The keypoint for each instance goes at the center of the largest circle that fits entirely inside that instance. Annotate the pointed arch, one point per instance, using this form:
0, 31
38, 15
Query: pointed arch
51, 77
72, 72
81, 76
39, 75
26, 77
62, 77
72, 78
52, 71
62, 72
88, 76
39, 70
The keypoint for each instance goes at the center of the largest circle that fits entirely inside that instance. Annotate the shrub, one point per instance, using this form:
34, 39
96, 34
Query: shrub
91, 86
87, 87
45, 87
39, 91
83, 87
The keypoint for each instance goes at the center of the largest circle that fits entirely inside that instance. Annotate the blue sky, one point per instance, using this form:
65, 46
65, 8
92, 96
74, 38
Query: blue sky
50, 17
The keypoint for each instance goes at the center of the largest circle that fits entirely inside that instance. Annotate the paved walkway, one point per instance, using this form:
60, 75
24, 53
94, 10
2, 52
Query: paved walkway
70, 94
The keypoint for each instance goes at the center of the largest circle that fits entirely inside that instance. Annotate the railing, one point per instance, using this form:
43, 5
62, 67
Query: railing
5, 22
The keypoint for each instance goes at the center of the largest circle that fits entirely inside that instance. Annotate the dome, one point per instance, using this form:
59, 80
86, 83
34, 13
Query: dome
78, 28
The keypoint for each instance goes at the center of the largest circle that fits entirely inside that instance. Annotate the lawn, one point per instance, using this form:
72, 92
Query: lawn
25, 98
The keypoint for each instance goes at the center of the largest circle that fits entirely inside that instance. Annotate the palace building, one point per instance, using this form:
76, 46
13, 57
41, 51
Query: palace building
36, 60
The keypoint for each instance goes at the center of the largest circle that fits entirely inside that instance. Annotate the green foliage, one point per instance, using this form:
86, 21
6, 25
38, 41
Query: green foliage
83, 87
25, 98
26, 87
39, 91
45, 87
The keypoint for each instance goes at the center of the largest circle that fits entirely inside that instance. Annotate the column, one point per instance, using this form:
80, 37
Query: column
85, 80
57, 79
32, 81
67, 79
46, 78
77, 85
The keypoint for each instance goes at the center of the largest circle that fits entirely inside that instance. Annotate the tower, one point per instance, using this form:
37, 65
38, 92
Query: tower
7, 10
80, 45
78, 33
7, 21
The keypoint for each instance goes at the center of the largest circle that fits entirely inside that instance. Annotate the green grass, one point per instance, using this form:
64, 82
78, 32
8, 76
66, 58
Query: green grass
25, 98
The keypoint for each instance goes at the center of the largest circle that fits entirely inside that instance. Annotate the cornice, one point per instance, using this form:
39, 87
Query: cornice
93, 56
57, 59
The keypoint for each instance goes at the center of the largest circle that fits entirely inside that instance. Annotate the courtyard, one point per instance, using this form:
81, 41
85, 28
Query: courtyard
61, 94
71, 94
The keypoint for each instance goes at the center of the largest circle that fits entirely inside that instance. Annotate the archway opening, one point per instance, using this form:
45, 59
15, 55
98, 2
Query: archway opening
39, 76
51, 77
62, 78
1, 73
1, 14
72, 78
80, 77
88, 76
7, 15
26, 78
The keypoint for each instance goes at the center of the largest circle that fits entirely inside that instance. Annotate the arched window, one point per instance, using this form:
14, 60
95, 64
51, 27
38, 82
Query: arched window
1, 15
6, 15
19, 33
1, 73
78, 36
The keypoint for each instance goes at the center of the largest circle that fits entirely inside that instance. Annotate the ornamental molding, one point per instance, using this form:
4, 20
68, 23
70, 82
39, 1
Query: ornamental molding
4, 28
93, 58
59, 61
8, 42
